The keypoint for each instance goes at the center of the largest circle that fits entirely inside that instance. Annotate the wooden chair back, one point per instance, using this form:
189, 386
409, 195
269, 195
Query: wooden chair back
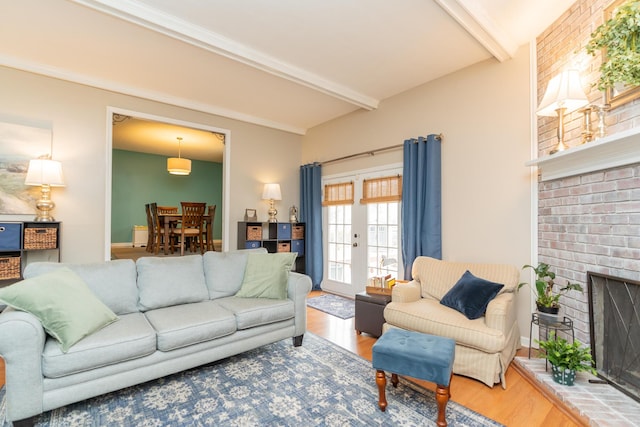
151, 229
211, 213
162, 210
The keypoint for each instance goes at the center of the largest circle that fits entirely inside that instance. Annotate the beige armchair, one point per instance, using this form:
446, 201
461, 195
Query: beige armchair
484, 346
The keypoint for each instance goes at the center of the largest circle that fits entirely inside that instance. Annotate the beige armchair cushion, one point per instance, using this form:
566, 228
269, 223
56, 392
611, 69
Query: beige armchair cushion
437, 277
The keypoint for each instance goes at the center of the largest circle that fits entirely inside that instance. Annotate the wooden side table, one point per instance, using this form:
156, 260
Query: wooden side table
370, 313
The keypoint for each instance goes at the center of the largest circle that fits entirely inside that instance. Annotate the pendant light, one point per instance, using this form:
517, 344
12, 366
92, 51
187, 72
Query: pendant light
178, 165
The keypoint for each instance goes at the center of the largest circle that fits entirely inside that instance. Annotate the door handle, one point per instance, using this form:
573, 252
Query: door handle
355, 245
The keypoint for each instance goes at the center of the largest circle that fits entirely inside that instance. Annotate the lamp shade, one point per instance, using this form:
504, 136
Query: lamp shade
271, 192
563, 91
45, 171
178, 166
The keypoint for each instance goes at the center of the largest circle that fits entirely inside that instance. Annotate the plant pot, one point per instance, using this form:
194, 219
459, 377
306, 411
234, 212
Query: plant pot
563, 376
551, 314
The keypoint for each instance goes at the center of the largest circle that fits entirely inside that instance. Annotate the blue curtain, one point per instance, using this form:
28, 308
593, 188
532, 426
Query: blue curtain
421, 201
311, 215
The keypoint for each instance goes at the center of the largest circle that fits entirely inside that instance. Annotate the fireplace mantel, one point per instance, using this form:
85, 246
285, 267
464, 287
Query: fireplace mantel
622, 148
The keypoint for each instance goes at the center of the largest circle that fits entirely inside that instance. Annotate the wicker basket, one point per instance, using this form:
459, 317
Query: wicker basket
297, 232
9, 267
40, 238
284, 247
254, 232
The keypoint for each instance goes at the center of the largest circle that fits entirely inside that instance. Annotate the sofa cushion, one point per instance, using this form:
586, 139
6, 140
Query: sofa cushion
128, 338
437, 277
163, 282
267, 275
471, 295
224, 271
183, 325
428, 316
113, 282
252, 312
63, 303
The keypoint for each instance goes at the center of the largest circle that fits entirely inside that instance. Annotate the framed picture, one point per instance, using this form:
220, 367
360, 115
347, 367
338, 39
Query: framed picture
621, 93
250, 215
18, 145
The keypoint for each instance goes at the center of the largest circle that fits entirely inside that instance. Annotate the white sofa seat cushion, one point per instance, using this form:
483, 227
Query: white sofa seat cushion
251, 312
430, 317
129, 338
187, 324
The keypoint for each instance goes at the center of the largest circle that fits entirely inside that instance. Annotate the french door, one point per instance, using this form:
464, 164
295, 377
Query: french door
361, 241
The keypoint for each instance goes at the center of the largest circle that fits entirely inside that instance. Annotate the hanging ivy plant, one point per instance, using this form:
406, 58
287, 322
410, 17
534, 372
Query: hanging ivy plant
619, 36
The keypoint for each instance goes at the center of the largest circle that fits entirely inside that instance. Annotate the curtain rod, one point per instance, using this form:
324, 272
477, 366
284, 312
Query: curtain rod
371, 152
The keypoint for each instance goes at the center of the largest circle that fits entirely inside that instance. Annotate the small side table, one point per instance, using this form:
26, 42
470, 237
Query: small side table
370, 313
548, 323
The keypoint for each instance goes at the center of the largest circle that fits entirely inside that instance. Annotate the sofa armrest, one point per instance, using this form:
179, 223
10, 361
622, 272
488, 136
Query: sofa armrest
298, 288
501, 312
22, 339
406, 292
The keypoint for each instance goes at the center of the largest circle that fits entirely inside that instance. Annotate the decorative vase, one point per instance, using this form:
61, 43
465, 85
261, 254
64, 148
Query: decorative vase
563, 376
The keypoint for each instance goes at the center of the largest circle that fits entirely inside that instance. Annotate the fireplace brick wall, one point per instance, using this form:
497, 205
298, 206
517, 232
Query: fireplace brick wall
588, 222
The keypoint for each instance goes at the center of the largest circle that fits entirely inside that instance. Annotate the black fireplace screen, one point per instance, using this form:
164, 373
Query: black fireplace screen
614, 318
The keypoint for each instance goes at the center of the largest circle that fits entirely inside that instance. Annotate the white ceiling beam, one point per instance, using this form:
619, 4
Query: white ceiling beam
171, 26
473, 18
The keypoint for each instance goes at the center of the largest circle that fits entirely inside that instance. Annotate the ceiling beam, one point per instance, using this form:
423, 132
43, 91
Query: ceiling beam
473, 18
171, 26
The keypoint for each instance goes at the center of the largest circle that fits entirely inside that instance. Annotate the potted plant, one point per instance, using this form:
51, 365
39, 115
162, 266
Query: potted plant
547, 301
620, 37
566, 359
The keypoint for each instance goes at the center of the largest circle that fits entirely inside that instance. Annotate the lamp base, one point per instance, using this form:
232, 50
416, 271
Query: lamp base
272, 212
45, 205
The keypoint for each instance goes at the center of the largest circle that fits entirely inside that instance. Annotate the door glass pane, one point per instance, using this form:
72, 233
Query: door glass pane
382, 233
339, 246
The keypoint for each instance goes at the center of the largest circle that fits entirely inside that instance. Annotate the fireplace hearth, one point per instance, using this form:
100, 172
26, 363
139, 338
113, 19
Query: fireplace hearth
614, 318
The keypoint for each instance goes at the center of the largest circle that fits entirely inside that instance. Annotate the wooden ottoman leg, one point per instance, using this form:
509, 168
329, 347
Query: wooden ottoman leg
394, 380
381, 381
442, 397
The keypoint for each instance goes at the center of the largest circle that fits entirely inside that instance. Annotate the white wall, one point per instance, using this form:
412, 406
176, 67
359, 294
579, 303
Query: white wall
483, 112
78, 117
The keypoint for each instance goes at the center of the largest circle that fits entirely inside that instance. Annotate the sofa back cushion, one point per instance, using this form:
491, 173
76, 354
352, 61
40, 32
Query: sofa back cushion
166, 281
224, 271
113, 282
437, 277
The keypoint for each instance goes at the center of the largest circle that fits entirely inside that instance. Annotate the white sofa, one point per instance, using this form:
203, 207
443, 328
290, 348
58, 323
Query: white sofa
484, 346
173, 314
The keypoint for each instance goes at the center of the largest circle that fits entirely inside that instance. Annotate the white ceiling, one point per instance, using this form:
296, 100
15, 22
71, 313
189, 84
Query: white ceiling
286, 64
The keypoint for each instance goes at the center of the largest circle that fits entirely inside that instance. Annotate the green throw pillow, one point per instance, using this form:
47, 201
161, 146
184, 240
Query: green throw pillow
267, 275
63, 303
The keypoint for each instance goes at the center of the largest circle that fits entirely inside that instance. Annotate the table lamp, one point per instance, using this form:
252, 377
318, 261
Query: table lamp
272, 193
47, 173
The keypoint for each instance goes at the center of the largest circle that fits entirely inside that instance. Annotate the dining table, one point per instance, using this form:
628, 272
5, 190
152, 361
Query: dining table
173, 218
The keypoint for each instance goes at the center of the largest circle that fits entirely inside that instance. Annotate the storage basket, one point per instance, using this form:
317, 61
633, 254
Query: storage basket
40, 238
284, 247
254, 232
297, 232
9, 267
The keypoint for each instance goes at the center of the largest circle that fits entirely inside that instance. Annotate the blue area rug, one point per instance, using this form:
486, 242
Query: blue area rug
317, 384
334, 305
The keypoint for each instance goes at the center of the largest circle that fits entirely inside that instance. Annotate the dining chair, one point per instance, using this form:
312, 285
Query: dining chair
167, 210
151, 236
191, 225
158, 229
208, 233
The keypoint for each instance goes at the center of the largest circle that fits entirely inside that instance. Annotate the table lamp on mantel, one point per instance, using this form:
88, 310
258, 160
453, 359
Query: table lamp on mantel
272, 193
47, 173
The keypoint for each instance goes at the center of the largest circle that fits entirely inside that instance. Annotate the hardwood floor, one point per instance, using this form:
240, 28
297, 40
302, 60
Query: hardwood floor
520, 405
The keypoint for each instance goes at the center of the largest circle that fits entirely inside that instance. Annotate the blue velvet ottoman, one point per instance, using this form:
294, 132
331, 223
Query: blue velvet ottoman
416, 355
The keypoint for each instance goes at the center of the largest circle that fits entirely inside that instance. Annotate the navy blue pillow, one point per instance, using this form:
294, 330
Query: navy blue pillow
471, 295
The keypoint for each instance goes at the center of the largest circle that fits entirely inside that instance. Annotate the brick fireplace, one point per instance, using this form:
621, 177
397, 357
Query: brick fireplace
588, 220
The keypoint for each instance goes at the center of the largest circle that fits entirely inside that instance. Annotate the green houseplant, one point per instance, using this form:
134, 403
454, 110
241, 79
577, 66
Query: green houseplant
546, 300
619, 36
566, 359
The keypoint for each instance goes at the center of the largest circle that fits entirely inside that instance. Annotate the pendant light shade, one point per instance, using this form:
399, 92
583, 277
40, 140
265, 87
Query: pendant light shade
178, 165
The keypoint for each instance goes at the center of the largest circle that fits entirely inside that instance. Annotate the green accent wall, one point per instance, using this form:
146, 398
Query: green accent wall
140, 178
